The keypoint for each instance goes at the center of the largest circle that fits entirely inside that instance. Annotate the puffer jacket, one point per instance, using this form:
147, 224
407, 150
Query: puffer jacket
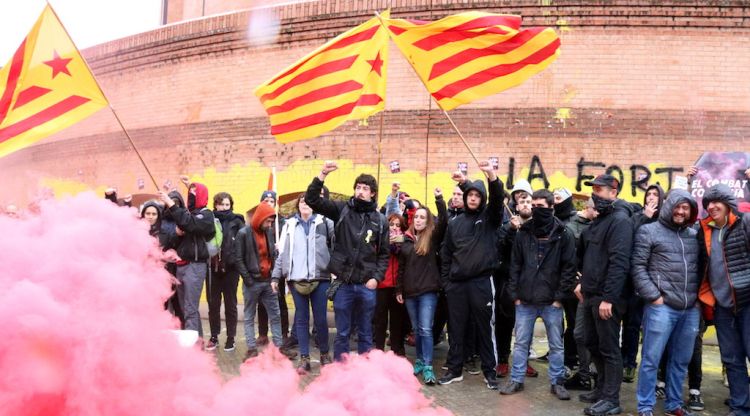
736, 240
665, 256
315, 244
360, 250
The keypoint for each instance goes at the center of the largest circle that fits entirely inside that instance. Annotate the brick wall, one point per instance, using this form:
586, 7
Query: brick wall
637, 84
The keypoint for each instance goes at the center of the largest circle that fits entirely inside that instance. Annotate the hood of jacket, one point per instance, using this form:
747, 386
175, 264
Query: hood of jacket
478, 186
720, 193
261, 213
624, 207
674, 198
201, 195
661, 195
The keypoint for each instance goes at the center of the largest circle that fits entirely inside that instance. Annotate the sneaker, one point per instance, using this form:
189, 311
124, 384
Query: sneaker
411, 340
229, 345
490, 380
502, 370
544, 357
680, 411
511, 387
261, 340
579, 382
695, 402
288, 353
559, 391
251, 353
661, 391
449, 377
590, 397
602, 408
472, 367
304, 365
418, 367
428, 376
532, 354
212, 343
530, 372
325, 359
628, 375
444, 367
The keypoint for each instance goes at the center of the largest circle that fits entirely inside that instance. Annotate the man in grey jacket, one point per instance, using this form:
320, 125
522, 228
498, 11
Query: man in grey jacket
665, 274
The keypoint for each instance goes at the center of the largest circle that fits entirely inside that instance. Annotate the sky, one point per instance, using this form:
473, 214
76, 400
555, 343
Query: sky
89, 22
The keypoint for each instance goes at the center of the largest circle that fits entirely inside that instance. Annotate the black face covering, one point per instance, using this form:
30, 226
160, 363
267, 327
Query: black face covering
565, 209
603, 206
191, 201
542, 221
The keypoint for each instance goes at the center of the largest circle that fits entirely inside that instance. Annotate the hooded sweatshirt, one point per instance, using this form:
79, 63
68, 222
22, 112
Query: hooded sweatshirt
469, 250
520, 185
725, 256
640, 218
197, 223
265, 258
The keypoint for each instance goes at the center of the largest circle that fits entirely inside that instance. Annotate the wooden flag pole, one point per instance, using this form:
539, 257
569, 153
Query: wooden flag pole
382, 23
380, 144
105, 97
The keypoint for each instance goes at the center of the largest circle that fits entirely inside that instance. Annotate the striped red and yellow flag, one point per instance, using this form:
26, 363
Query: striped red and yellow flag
45, 87
468, 56
341, 80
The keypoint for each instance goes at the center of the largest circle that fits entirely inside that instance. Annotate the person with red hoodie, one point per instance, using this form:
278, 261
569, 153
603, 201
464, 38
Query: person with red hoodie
194, 226
390, 314
254, 258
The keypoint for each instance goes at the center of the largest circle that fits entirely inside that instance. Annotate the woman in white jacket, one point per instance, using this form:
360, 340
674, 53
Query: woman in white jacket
303, 260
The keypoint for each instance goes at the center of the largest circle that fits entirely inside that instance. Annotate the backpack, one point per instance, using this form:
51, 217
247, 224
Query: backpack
214, 243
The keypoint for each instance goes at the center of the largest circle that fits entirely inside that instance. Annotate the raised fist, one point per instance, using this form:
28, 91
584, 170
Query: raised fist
458, 176
438, 192
329, 167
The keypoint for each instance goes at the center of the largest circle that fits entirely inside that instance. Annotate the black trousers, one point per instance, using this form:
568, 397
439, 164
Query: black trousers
570, 306
389, 314
223, 284
263, 315
441, 317
603, 342
505, 321
472, 301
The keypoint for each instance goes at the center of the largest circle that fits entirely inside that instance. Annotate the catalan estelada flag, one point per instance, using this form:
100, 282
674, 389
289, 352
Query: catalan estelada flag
341, 80
45, 87
468, 56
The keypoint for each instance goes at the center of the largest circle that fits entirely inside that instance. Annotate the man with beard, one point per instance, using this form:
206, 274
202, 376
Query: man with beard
665, 274
542, 273
604, 258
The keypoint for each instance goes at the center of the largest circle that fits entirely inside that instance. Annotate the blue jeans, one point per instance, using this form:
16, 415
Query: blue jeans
353, 303
422, 313
302, 304
261, 292
733, 332
553, 322
665, 327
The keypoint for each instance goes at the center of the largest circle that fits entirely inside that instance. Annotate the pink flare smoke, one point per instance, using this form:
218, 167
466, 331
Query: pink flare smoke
81, 304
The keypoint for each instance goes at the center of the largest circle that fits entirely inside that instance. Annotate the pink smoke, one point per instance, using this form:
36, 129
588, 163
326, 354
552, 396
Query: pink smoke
81, 305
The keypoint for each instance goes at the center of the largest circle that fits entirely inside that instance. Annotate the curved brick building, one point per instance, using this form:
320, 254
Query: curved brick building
639, 89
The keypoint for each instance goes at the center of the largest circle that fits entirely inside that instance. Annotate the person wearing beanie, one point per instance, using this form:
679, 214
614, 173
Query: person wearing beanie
725, 286
194, 226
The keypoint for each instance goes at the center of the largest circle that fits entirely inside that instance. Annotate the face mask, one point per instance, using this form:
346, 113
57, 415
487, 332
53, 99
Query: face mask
601, 205
191, 201
543, 220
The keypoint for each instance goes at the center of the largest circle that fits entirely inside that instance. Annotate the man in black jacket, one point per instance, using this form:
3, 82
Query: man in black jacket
665, 274
194, 226
604, 258
542, 274
359, 257
469, 256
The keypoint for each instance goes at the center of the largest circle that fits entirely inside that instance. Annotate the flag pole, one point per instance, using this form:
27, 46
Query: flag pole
96, 81
461, 136
380, 143
276, 207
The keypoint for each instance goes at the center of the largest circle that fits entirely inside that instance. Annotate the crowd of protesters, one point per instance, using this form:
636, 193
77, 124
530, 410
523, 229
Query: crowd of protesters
488, 264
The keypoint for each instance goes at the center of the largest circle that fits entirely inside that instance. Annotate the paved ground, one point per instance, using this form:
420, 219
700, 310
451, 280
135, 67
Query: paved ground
471, 397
